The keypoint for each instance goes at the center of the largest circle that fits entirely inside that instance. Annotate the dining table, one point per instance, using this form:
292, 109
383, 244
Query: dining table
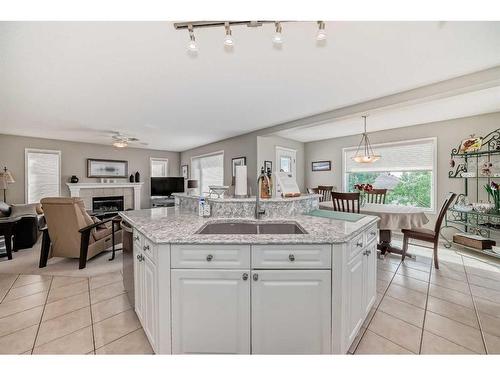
393, 217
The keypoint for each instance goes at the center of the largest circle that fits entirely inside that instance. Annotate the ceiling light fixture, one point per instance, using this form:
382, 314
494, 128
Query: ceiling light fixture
120, 144
365, 155
192, 46
321, 35
278, 37
228, 39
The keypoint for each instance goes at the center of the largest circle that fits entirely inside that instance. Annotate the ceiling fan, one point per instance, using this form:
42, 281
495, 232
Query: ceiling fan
120, 140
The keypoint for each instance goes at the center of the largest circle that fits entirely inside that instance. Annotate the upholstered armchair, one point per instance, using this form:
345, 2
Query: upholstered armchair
72, 233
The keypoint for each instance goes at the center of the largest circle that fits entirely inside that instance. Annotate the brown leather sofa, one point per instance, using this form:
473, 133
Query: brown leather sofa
72, 233
27, 230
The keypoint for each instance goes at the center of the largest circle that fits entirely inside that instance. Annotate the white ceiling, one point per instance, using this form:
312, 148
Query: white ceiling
464, 105
76, 80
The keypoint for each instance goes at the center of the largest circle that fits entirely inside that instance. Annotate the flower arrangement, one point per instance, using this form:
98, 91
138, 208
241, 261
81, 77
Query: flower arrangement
493, 190
363, 189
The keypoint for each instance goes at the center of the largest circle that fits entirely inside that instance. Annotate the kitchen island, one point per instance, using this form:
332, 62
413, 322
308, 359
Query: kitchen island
295, 285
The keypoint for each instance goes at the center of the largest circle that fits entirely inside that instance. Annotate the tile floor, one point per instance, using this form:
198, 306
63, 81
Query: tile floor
68, 315
421, 310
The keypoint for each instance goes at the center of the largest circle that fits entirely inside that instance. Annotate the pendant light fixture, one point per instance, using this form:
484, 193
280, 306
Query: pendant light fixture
364, 153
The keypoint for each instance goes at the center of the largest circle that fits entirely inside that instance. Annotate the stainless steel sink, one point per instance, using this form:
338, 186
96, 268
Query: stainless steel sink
251, 228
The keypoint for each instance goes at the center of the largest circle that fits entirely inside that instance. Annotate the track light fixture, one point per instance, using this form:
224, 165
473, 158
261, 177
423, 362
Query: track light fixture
321, 35
228, 39
192, 46
278, 37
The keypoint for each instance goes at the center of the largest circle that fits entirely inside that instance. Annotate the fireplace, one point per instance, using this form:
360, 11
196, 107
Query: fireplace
105, 205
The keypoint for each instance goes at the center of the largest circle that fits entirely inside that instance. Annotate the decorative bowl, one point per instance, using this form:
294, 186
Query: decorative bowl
218, 190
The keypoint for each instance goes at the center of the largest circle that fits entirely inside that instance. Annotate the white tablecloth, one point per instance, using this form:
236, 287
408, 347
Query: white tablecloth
395, 217
392, 216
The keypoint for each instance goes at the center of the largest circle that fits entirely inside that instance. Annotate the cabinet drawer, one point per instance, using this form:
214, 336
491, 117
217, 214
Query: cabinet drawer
210, 256
150, 249
355, 245
371, 234
291, 256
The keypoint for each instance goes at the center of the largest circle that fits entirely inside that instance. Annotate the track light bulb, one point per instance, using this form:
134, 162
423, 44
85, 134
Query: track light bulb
192, 46
321, 35
278, 37
228, 39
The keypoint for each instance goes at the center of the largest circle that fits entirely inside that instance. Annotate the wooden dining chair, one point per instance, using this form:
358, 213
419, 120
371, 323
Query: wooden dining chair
326, 192
428, 235
346, 202
376, 196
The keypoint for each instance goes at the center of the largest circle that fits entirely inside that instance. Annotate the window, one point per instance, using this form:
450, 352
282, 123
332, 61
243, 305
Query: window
285, 158
208, 170
407, 169
42, 174
159, 167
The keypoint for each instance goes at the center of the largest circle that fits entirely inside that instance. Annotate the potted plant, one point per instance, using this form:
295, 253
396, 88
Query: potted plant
493, 190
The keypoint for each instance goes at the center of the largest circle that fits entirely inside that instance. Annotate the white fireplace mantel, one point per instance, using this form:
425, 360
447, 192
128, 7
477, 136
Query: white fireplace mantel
74, 189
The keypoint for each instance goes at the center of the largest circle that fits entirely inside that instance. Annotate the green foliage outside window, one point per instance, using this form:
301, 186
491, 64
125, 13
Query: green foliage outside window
413, 189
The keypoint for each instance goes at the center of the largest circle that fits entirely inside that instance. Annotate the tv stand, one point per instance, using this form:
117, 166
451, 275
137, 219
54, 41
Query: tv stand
167, 201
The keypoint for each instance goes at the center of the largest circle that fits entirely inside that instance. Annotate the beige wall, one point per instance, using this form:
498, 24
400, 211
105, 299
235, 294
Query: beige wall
73, 162
448, 134
266, 150
244, 145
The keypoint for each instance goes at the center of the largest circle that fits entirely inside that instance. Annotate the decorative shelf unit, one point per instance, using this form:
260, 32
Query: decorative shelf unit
474, 222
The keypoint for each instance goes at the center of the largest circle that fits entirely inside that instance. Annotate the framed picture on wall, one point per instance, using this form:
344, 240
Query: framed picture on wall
320, 166
242, 160
185, 171
268, 165
103, 168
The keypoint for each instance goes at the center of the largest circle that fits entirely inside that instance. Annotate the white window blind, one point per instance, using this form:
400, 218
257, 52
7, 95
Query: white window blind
415, 155
159, 167
43, 176
208, 170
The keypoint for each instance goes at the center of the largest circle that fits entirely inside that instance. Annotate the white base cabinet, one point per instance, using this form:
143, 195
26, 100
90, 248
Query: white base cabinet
210, 311
291, 311
261, 299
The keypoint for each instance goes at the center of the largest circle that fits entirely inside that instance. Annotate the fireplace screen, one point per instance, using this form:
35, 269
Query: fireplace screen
102, 205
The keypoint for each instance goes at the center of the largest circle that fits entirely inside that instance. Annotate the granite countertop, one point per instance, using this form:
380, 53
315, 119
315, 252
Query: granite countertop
249, 199
172, 225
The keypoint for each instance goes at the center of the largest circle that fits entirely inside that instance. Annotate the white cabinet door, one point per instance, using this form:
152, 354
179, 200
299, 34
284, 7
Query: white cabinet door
291, 311
138, 283
354, 292
370, 276
150, 300
210, 311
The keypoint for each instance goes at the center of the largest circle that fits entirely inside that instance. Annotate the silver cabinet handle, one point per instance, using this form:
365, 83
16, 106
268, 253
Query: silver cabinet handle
367, 252
245, 276
359, 244
210, 257
136, 238
291, 257
255, 276
138, 257
146, 247
373, 233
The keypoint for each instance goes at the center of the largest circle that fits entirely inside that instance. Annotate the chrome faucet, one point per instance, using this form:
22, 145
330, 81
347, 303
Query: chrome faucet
259, 211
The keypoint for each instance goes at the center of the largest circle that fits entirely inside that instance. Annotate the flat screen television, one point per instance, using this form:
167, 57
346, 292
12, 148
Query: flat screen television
165, 186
